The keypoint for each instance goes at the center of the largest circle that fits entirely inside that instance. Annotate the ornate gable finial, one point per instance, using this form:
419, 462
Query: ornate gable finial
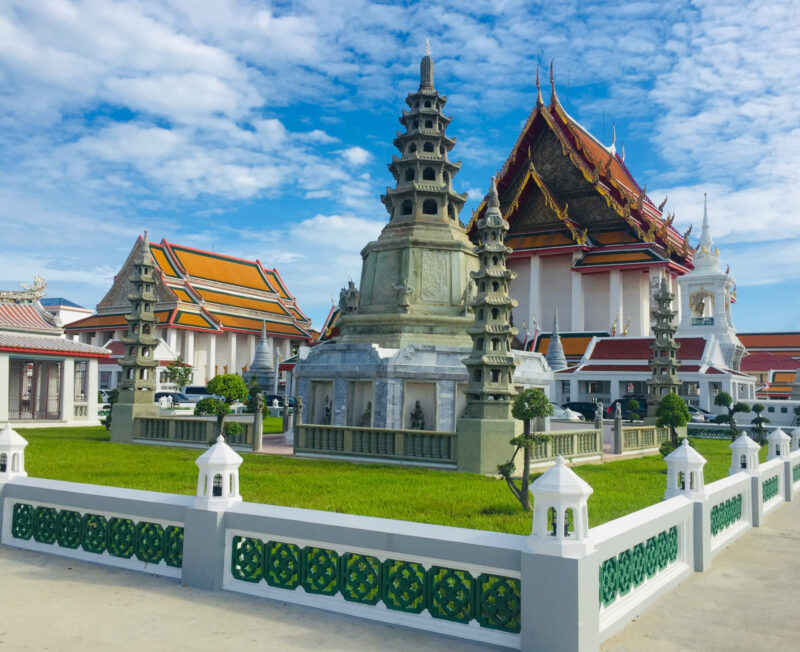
662, 204
623, 151
613, 136
539, 100
427, 47
553, 96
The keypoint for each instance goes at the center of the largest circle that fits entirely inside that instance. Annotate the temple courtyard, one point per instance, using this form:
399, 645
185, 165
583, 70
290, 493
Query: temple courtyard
431, 496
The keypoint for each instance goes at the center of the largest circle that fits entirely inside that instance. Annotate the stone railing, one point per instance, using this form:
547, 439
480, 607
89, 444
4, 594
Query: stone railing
190, 431
80, 410
570, 444
643, 437
428, 447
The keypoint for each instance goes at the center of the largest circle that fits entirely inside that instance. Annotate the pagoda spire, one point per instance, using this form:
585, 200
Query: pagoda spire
555, 350
663, 362
490, 364
553, 96
706, 257
539, 100
426, 69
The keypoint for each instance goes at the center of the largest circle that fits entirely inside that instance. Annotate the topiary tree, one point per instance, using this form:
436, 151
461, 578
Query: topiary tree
231, 388
179, 373
632, 406
672, 413
528, 405
723, 399
758, 421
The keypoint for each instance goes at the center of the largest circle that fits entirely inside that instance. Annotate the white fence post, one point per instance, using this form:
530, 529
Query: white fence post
565, 616
204, 527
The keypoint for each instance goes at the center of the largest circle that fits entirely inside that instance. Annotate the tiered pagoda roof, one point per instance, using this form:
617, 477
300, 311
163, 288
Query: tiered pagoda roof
205, 291
563, 190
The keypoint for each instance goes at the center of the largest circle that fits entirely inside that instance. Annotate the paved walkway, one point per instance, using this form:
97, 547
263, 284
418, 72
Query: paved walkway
747, 600
53, 603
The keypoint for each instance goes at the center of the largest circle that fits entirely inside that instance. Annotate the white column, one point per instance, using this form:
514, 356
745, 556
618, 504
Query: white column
188, 353
4, 382
574, 393
534, 294
211, 356
644, 306
676, 301
172, 339
232, 368
577, 302
68, 390
98, 338
615, 310
91, 388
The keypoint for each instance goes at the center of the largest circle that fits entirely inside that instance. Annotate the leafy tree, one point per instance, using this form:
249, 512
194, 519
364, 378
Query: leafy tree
758, 421
231, 388
179, 373
113, 397
672, 413
632, 405
723, 399
529, 404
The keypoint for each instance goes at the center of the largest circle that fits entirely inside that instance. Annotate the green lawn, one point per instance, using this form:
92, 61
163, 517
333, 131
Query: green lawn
428, 496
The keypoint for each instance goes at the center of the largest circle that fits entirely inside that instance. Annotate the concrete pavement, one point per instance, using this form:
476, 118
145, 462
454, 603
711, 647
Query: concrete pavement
747, 600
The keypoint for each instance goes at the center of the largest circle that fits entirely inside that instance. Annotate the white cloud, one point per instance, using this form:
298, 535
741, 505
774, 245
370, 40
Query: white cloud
356, 155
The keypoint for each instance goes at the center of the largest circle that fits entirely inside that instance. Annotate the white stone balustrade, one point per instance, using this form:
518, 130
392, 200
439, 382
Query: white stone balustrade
685, 472
744, 455
218, 479
778, 443
12, 454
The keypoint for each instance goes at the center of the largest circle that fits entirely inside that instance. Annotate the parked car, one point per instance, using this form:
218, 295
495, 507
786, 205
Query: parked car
178, 399
626, 413
699, 415
585, 408
195, 392
566, 413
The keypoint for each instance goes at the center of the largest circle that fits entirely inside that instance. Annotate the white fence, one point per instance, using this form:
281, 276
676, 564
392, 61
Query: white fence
502, 589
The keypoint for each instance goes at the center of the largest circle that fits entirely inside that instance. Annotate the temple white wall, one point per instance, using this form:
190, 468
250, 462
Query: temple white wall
556, 285
636, 303
596, 302
518, 290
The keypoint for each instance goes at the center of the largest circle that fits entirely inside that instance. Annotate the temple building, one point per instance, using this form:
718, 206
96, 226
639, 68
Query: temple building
210, 310
703, 360
390, 355
587, 240
45, 378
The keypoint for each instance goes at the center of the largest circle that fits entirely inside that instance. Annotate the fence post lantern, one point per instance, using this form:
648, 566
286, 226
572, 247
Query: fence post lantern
218, 479
744, 455
778, 445
795, 433
12, 454
685, 472
560, 514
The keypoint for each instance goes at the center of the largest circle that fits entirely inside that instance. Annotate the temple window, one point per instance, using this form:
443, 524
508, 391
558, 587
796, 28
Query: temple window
146, 352
429, 207
412, 148
446, 177
495, 313
494, 260
427, 104
441, 150
427, 147
416, 124
406, 207
479, 344
494, 236
429, 174
495, 344
146, 329
410, 174
429, 124
495, 286
451, 211
481, 314
495, 375
476, 375
482, 286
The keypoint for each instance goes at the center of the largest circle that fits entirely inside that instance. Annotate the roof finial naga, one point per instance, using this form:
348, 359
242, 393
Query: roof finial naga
613, 136
686, 246
663, 203
623, 151
539, 100
553, 96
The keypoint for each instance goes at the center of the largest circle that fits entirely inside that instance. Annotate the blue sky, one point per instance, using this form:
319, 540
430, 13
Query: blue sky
263, 130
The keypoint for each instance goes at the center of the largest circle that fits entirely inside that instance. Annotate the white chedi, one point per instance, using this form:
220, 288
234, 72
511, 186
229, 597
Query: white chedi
12, 454
558, 494
744, 456
218, 478
778, 443
685, 472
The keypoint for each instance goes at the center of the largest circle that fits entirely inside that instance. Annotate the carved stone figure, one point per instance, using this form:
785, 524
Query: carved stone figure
404, 292
417, 417
259, 402
618, 411
598, 412
351, 298
468, 296
366, 418
342, 301
326, 419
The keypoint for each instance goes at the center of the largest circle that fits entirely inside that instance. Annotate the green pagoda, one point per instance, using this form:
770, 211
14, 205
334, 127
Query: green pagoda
139, 364
415, 286
663, 361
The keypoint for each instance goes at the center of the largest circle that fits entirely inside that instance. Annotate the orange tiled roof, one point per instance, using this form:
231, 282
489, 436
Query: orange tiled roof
182, 294
225, 269
539, 241
254, 325
574, 345
788, 342
163, 261
194, 320
223, 298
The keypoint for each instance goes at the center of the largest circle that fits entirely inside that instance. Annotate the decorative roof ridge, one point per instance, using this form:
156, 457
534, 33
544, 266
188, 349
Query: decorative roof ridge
173, 258
561, 211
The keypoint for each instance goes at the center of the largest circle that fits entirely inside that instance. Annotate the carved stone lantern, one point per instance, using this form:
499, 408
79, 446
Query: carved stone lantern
218, 480
778, 445
744, 455
795, 433
12, 454
560, 497
685, 472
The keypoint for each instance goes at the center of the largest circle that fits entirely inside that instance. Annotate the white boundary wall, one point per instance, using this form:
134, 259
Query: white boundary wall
568, 602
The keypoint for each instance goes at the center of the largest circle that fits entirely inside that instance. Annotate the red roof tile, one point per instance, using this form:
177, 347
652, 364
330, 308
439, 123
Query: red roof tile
638, 348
